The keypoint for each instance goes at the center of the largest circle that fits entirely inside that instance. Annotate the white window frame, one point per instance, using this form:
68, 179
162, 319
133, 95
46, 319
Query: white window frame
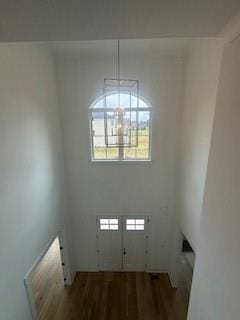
110, 223
135, 224
120, 148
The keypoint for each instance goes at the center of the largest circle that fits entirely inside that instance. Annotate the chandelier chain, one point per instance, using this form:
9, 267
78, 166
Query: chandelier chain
118, 59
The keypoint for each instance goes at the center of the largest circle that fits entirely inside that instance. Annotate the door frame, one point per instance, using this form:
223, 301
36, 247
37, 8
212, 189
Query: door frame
121, 224
146, 229
108, 216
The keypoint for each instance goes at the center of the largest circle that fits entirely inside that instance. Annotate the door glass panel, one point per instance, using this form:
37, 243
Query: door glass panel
135, 224
130, 221
113, 221
108, 224
139, 221
104, 227
130, 227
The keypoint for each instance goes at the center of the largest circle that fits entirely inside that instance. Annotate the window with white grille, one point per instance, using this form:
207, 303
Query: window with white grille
108, 224
135, 224
120, 134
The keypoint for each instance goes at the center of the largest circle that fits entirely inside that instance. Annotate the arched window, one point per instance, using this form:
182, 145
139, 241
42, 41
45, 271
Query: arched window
120, 129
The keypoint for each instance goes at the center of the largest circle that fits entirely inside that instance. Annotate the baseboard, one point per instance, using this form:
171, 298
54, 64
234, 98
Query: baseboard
156, 271
172, 282
87, 270
70, 281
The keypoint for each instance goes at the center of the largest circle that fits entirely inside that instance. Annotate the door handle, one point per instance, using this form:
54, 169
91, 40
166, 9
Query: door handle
124, 251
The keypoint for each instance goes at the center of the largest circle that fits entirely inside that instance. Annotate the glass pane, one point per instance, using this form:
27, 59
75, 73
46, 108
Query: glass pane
130, 221
130, 227
129, 153
112, 141
99, 153
99, 141
111, 100
113, 227
98, 124
112, 153
140, 227
104, 221
113, 221
130, 117
130, 127
142, 150
104, 227
126, 140
142, 154
134, 101
111, 124
139, 136
143, 120
125, 99
140, 221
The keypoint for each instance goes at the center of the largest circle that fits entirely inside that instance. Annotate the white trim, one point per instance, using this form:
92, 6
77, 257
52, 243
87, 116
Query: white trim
94, 269
160, 271
177, 253
30, 297
156, 271
140, 161
73, 276
65, 258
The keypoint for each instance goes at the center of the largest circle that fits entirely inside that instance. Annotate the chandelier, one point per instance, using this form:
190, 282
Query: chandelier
120, 102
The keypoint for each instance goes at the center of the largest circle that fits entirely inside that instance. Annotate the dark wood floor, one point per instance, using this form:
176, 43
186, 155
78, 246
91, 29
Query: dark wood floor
118, 296
108, 295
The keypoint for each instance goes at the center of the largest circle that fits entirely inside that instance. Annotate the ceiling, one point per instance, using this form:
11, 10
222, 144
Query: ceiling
36, 20
177, 47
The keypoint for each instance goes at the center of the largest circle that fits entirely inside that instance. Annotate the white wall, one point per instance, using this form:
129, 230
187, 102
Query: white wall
202, 75
32, 192
216, 281
105, 188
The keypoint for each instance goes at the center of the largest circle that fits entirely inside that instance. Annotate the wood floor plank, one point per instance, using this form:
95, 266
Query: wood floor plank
115, 296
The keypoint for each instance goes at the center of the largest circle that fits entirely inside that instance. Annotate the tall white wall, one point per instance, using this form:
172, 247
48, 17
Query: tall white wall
202, 75
126, 188
31, 168
216, 281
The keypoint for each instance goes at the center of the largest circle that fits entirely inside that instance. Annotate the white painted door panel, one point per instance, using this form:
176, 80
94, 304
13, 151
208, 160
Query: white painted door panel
109, 244
135, 243
122, 243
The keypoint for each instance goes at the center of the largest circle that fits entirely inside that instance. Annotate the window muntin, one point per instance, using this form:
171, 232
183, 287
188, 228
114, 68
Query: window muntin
107, 147
108, 224
125, 102
135, 224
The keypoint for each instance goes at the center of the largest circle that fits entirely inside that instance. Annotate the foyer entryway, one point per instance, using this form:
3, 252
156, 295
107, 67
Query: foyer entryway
122, 243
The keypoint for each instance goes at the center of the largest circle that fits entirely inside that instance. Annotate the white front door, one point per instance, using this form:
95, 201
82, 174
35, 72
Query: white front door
110, 243
122, 243
135, 243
